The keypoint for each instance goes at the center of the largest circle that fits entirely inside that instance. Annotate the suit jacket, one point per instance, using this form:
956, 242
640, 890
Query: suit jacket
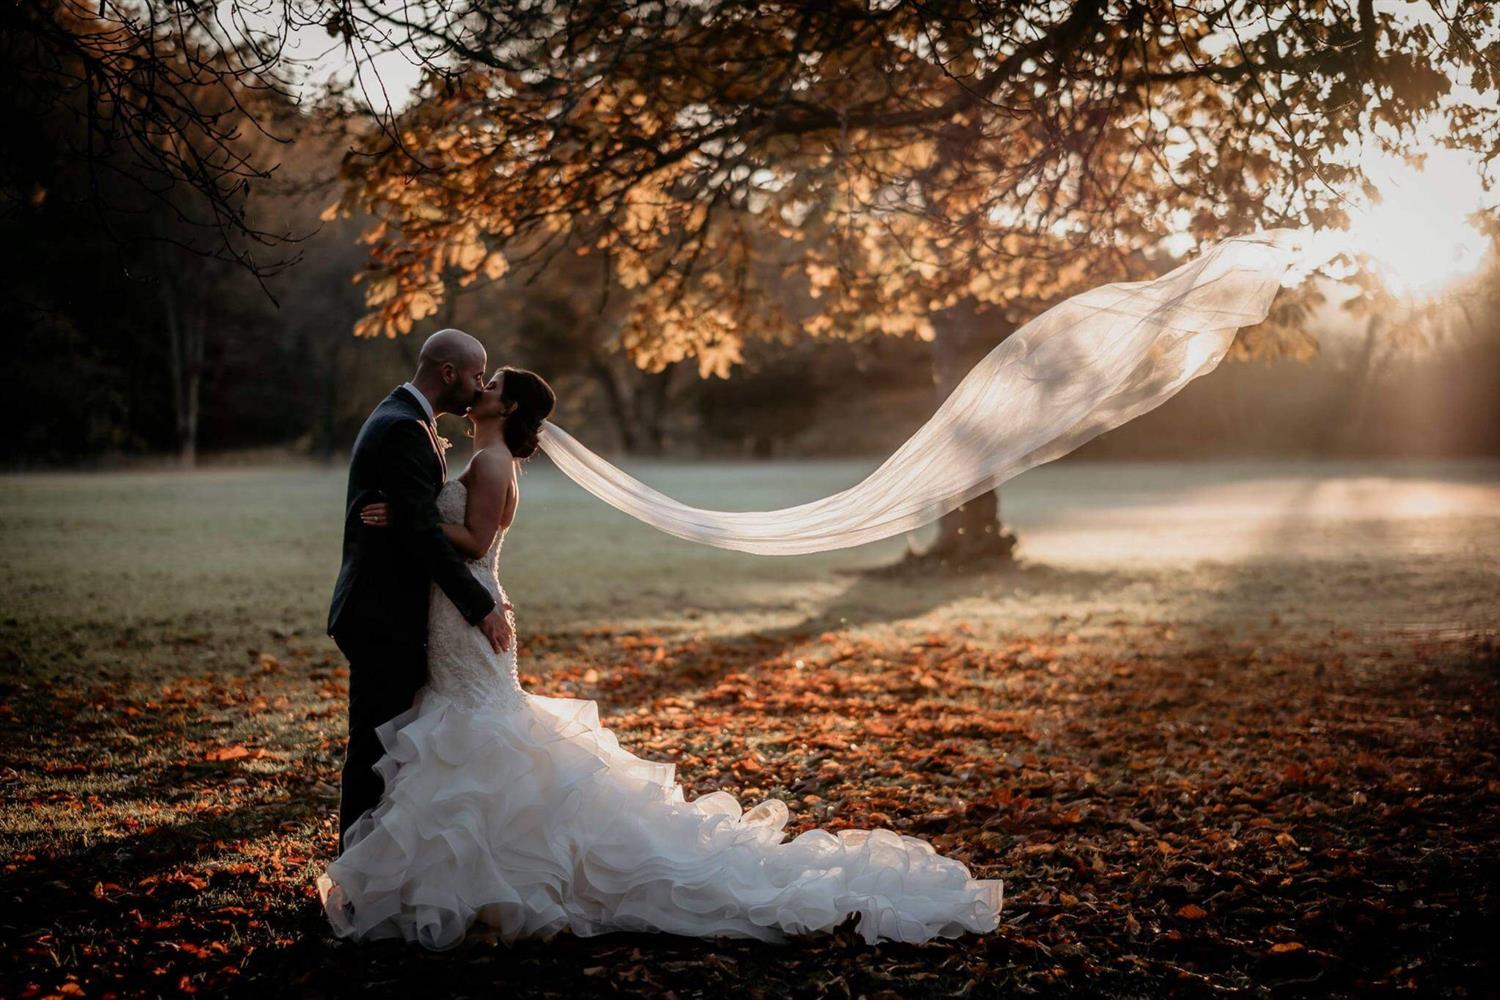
384, 583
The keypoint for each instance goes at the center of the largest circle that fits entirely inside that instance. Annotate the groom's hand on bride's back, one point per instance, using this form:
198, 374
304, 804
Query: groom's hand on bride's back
496, 628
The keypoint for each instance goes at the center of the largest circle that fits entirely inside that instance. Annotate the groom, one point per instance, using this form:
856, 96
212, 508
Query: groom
379, 614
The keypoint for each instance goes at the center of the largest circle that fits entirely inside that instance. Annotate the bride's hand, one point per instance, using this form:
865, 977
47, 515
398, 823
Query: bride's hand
376, 515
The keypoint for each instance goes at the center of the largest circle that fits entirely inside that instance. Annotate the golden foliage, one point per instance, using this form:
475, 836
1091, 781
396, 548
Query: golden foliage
775, 171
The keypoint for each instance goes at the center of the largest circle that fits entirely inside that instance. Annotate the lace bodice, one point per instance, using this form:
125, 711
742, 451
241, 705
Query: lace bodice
460, 662
452, 500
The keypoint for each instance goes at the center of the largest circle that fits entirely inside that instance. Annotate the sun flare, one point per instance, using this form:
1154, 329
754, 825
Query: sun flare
1417, 237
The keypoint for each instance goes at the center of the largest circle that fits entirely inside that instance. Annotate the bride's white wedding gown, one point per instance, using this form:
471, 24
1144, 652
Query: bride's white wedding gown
520, 812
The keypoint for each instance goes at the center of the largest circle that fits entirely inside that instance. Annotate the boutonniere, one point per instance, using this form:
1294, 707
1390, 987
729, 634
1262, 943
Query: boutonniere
444, 444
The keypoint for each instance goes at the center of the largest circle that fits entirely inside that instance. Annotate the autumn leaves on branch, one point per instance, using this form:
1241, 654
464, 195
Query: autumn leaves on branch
782, 169
841, 171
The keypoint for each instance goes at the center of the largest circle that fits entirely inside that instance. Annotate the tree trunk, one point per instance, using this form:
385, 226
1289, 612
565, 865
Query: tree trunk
972, 534
1358, 415
195, 345
652, 406
1352, 396
186, 337
639, 402
614, 396
330, 422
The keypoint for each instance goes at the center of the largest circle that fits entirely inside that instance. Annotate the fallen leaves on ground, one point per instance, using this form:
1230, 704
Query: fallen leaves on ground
1167, 818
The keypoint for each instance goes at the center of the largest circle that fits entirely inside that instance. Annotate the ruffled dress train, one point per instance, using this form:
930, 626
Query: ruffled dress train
522, 814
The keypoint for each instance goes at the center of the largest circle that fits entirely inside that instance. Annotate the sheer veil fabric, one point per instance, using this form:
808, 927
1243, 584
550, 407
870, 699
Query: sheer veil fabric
1085, 366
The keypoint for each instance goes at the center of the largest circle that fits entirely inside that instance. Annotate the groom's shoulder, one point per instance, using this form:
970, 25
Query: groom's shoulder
396, 407
392, 413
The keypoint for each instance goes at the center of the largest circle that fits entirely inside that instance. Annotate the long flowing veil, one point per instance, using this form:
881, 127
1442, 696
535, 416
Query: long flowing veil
1086, 365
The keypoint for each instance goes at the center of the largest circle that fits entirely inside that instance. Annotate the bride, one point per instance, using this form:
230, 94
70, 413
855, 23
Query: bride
522, 813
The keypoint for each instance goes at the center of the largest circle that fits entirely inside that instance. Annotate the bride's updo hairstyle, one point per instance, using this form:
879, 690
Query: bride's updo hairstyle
534, 400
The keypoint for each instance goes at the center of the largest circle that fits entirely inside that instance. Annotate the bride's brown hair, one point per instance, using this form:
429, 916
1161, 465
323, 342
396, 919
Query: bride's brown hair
533, 400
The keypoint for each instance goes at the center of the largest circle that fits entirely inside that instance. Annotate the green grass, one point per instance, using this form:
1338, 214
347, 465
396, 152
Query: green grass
145, 574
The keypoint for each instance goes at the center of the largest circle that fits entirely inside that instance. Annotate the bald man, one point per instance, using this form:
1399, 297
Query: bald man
379, 613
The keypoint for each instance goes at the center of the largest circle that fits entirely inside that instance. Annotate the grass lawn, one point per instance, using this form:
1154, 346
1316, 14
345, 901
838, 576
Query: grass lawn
1230, 726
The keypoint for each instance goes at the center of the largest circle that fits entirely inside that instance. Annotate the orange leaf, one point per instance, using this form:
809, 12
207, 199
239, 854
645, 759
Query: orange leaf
1192, 911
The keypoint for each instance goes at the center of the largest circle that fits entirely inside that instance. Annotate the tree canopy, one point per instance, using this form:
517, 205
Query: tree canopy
770, 169
893, 160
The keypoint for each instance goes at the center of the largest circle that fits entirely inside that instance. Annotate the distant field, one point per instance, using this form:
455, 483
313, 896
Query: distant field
173, 572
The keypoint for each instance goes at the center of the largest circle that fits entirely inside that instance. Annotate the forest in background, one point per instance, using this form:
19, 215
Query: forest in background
127, 343
90, 346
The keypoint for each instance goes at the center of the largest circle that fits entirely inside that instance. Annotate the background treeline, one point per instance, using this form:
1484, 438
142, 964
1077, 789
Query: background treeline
121, 342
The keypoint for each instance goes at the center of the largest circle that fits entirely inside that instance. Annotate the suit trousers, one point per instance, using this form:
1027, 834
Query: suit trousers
384, 677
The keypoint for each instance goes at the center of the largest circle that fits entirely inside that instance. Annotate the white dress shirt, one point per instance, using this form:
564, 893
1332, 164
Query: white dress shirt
421, 398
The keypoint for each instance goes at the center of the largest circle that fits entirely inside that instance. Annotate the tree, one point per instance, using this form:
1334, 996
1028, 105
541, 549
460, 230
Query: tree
160, 97
154, 132
564, 327
899, 161
134, 326
902, 161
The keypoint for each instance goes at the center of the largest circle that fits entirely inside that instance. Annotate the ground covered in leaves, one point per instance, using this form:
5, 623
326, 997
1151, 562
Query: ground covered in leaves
1230, 728
1167, 818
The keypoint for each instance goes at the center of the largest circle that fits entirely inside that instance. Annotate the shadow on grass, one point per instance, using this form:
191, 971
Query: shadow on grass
869, 599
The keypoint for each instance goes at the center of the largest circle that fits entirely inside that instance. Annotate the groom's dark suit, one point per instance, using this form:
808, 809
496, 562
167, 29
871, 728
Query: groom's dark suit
379, 611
